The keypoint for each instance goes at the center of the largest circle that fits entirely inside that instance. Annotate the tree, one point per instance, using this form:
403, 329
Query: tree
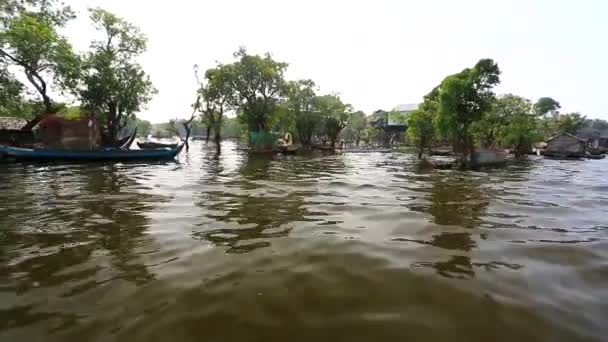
598, 124
12, 102
144, 127
29, 40
357, 122
115, 85
231, 128
216, 96
421, 129
461, 100
301, 104
519, 126
371, 134
335, 115
568, 123
546, 105
259, 86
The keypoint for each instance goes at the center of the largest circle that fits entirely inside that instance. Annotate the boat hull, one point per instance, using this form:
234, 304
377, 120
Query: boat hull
152, 145
78, 155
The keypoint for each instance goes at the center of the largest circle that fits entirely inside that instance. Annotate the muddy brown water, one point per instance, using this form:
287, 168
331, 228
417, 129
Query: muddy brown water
353, 247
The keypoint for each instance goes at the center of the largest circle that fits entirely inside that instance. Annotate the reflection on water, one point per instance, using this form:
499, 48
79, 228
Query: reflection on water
227, 246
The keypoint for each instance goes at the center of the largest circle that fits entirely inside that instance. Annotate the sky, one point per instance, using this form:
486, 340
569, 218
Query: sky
376, 54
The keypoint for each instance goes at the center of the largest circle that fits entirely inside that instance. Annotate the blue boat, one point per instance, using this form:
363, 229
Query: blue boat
110, 154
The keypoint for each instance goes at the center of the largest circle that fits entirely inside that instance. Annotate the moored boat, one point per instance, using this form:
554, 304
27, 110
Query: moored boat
109, 154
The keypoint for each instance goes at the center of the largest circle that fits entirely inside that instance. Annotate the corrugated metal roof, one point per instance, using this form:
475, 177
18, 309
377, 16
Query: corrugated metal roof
409, 107
11, 123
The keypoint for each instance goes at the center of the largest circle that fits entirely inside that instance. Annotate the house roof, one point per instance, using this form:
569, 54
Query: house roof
568, 135
12, 123
408, 107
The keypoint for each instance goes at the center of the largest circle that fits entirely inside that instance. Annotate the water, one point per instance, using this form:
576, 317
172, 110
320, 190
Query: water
303, 248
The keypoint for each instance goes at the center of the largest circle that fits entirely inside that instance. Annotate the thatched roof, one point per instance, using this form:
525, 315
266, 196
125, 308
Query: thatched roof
568, 135
12, 123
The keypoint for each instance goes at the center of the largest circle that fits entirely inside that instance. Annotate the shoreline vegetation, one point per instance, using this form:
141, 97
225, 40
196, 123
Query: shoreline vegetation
249, 98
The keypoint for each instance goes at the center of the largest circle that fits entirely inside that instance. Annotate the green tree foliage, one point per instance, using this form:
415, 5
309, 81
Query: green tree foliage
546, 105
519, 127
421, 128
232, 128
30, 41
259, 86
598, 124
144, 127
12, 102
301, 105
461, 100
567, 123
372, 135
215, 96
115, 85
355, 128
335, 115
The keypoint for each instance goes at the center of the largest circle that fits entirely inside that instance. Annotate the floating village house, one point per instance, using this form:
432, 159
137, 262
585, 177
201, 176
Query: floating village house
52, 131
393, 123
566, 146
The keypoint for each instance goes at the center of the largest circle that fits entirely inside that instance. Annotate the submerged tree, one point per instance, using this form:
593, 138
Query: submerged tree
259, 86
115, 85
301, 103
215, 96
30, 41
421, 128
335, 115
462, 99
355, 128
519, 129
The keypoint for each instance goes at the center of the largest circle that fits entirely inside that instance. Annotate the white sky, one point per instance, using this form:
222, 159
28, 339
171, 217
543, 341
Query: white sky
377, 53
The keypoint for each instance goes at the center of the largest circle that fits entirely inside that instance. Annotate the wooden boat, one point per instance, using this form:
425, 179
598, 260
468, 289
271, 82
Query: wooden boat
154, 145
110, 154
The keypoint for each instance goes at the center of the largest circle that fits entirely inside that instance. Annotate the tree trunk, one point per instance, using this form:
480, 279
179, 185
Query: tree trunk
218, 136
208, 133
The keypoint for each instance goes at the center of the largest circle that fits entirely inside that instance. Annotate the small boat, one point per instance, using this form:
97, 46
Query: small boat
110, 154
154, 145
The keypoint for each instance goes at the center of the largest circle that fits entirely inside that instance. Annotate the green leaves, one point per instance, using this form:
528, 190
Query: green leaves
461, 100
421, 129
31, 42
335, 114
259, 85
545, 105
115, 86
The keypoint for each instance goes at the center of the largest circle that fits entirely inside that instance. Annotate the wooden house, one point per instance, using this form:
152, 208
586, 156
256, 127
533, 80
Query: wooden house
566, 146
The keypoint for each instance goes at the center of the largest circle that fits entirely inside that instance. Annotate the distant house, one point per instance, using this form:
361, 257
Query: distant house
378, 119
51, 131
566, 146
398, 116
